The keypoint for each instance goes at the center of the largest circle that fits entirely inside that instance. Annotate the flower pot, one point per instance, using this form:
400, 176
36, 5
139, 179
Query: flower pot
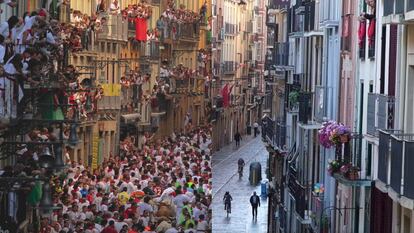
344, 138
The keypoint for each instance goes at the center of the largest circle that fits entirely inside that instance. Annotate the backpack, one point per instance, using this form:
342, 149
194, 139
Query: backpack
254, 200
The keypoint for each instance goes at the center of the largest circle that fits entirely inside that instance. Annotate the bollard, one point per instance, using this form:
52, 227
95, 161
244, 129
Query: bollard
263, 186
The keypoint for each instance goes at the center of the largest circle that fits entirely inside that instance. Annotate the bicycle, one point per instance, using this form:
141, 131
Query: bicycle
228, 209
240, 172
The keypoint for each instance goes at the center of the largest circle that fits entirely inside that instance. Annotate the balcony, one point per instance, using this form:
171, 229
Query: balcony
109, 103
149, 50
271, 18
380, 113
159, 105
229, 67
230, 29
321, 103
351, 182
282, 54
395, 161
316, 208
115, 29
274, 132
279, 4
305, 107
270, 40
188, 32
181, 86
299, 194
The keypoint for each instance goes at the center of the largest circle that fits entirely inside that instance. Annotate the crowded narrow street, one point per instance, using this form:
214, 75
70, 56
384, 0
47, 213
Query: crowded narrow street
225, 178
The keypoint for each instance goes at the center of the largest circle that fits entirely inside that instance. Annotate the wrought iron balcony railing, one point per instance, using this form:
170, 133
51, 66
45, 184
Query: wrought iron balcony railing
116, 28
188, 31
229, 67
394, 161
380, 114
282, 54
279, 4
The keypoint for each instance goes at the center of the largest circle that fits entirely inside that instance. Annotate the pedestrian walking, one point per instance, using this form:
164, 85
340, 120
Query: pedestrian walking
256, 129
237, 138
255, 202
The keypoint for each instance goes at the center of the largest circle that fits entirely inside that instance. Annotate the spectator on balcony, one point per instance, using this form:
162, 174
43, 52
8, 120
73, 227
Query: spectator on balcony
101, 7
115, 8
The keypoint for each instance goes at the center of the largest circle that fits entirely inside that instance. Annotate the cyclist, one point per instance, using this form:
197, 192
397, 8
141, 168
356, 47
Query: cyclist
241, 164
227, 201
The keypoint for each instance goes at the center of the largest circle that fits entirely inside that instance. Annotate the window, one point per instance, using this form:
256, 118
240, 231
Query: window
369, 159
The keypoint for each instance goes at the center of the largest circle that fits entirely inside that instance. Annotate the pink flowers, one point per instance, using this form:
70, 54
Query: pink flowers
333, 133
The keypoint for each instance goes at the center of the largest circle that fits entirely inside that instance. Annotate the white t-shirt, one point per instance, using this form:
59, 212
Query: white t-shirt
202, 226
2, 53
171, 230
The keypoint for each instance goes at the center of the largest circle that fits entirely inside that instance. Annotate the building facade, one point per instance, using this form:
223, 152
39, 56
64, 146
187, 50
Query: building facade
235, 90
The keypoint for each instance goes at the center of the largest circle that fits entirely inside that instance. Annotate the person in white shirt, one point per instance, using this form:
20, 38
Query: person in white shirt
7, 26
114, 7
202, 225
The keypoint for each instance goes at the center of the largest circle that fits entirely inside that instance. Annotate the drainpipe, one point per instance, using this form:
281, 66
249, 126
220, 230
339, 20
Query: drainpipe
400, 113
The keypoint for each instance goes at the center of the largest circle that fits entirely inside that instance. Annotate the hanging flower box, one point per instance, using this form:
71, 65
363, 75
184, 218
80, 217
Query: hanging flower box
333, 134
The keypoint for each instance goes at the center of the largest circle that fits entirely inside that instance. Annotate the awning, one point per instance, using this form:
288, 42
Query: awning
131, 117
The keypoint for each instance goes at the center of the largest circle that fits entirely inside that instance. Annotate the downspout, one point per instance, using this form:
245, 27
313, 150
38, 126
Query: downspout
400, 112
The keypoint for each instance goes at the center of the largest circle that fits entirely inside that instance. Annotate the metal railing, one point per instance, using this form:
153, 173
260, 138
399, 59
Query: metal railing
230, 29
116, 28
279, 4
380, 114
282, 54
395, 159
317, 206
229, 67
188, 30
109, 102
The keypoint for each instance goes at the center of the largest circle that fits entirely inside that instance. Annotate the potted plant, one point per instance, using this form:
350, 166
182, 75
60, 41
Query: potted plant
333, 134
334, 166
345, 168
293, 98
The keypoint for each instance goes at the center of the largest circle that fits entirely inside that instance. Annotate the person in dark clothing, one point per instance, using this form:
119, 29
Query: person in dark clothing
256, 129
237, 138
227, 201
255, 202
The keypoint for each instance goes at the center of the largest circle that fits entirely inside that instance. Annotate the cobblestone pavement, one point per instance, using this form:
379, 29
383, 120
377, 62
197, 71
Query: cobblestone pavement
225, 178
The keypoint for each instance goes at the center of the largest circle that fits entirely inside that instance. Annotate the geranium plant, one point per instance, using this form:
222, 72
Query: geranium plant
333, 133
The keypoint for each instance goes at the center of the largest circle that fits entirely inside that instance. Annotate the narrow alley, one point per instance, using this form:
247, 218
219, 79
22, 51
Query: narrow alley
225, 178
